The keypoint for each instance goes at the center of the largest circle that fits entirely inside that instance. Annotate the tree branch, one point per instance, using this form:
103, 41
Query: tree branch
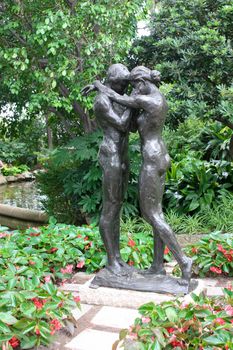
224, 121
63, 120
88, 125
18, 37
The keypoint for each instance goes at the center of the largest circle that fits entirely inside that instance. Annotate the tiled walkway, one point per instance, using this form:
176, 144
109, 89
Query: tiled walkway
98, 324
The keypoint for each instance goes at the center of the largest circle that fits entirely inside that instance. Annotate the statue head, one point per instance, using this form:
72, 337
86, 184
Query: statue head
118, 77
143, 73
142, 79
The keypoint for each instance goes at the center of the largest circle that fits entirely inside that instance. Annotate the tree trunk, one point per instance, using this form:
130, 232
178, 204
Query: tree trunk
49, 134
231, 148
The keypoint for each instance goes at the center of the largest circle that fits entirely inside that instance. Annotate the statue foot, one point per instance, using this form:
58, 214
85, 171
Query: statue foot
186, 269
154, 270
120, 268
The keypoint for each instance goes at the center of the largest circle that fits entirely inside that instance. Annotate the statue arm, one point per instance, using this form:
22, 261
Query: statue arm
128, 101
103, 108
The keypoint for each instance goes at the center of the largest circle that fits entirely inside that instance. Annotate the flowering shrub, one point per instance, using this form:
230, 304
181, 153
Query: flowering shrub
204, 324
30, 311
57, 250
213, 255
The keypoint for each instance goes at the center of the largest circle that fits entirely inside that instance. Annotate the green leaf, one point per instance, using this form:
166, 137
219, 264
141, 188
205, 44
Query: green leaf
5, 337
4, 328
54, 84
213, 340
29, 342
27, 308
50, 288
28, 295
7, 318
171, 314
156, 346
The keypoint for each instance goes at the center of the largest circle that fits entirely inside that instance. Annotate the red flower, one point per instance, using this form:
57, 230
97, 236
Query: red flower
55, 325
166, 250
53, 250
221, 249
176, 343
77, 299
216, 270
67, 269
194, 250
37, 331
39, 303
80, 264
86, 238
31, 262
47, 279
170, 330
219, 321
34, 234
79, 236
131, 262
146, 319
14, 342
228, 256
131, 243
3, 234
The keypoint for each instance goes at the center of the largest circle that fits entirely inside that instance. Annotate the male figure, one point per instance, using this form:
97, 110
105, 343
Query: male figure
114, 120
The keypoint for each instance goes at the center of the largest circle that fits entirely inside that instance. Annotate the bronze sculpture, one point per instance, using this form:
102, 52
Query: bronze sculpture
152, 107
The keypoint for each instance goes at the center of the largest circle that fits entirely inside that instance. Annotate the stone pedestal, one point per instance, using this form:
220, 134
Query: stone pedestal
144, 283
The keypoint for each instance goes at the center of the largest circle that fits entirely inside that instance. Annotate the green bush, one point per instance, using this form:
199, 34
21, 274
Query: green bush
202, 324
13, 152
73, 181
194, 185
14, 170
213, 255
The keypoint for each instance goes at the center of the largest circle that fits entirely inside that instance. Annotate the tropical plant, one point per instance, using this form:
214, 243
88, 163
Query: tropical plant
73, 180
202, 324
194, 185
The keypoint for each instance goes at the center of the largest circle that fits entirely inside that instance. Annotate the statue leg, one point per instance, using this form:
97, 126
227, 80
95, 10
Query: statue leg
157, 266
151, 190
110, 216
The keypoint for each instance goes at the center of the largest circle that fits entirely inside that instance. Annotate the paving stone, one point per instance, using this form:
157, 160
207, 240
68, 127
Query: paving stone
115, 317
91, 339
82, 277
77, 313
214, 291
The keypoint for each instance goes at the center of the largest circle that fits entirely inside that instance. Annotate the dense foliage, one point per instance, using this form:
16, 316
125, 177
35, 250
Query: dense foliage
202, 324
199, 177
213, 255
32, 308
51, 49
191, 44
72, 180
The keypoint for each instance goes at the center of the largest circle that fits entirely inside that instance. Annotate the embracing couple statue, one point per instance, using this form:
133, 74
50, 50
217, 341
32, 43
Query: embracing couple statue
118, 114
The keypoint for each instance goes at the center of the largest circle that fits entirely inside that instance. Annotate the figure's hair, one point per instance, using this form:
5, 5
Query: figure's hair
144, 73
117, 72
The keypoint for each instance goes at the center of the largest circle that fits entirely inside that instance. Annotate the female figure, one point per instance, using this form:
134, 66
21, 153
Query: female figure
147, 98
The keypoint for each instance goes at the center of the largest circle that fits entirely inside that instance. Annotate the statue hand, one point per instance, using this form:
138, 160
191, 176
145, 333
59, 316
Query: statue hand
99, 86
87, 89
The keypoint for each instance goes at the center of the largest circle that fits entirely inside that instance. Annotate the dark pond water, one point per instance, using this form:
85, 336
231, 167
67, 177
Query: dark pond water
22, 194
